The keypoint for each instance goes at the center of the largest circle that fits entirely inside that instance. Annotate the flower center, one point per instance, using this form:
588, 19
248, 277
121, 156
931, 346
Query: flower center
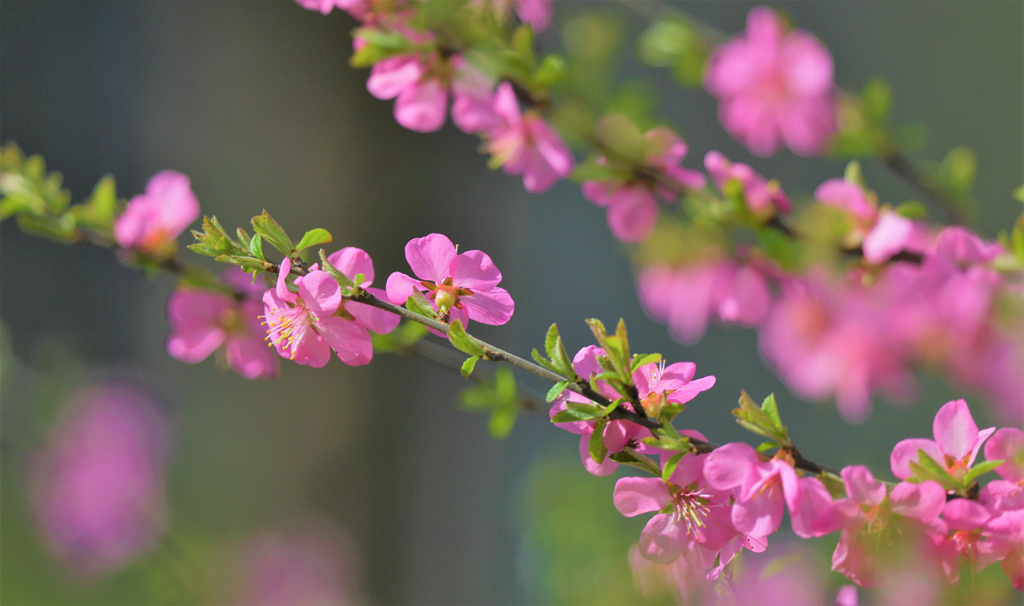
286, 325
691, 509
446, 295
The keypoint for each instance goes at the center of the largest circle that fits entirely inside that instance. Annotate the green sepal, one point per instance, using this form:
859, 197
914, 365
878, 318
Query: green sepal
339, 277
644, 464
462, 341
266, 226
669, 467
981, 468
764, 447
668, 411
468, 366
556, 390
314, 237
598, 451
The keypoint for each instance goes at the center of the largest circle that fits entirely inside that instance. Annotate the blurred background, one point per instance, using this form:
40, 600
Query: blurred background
371, 482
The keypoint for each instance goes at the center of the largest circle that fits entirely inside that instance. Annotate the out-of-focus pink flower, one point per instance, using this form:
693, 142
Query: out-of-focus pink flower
880, 233
774, 87
311, 567
356, 8
956, 445
460, 286
535, 12
421, 97
687, 297
473, 97
98, 485
631, 202
305, 326
789, 579
764, 198
1007, 444
524, 144
151, 221
203, 320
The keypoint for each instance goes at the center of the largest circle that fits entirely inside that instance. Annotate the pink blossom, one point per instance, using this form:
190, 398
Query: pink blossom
356, 8
524, 144
693, 518
956, 445
631, 203
535, 12
687, 297
98, 485
421, 97
204, 320
305, 326
880, 233
764, 198
790, 579
761, 488
658, 385
460, 286
151, 221
473, 97
774, 87
1007, 444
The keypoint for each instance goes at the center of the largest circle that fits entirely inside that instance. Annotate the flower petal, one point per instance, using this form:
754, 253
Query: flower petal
906, 451
634, 496
474, 270
351, 261
494, 306
377, 320
351, 341
955, 430
430, 257
320, 293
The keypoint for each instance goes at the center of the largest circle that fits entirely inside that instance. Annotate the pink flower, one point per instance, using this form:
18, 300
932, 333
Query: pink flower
421, 97
761, 488
774, 87
687, 297
631, 203
151, 221
525, 144
473, 97
460, 286
764, 198
881, 233
956, 445
1007, 444
203, 320
657, 385
356, 8
693, 518
535, 12
98, 485
305, 326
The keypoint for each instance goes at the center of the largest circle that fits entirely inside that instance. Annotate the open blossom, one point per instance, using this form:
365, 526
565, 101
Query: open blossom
524, 144
956, 445
307, 325
204, 320
631, 202
774, 87
764, 198
356, 8
98, 485
152, 221
761, 488
420, 94
459, 286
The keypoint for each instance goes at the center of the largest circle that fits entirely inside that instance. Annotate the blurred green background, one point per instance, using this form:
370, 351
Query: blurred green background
256, 103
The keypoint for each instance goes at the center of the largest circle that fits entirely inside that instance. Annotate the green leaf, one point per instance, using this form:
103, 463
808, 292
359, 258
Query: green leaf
854, 175
578, 411
539, 359
100, 210
621, 135
339, 277
60, 228
925, 468
462, 341
1018, 194
266, 226
418, 304
502, 420
876, 100
772, 410
670, 466
551, 71
468, 366
256, 247
592, 170
314, 237
241, 261
556, 389
504, 384
980, 469
764, 447
598, 451
643, 463
912, 209
243, 240
643, 360
522, 45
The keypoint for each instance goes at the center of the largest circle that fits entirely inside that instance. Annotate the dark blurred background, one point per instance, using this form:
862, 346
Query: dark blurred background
255, 101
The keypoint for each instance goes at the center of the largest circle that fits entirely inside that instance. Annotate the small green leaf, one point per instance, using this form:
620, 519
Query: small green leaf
1018, 194
256, 247
468, 366
876, 99
925, 468
670, 466
100, 209
462, 341
764, 447
418, 304
598, 451
539, 359
502, 420
912, 209
644, 360
772, 410
522, 44
980, 469
556, 390
504, 384
620, 134
314, 237
551, 71
266, 226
